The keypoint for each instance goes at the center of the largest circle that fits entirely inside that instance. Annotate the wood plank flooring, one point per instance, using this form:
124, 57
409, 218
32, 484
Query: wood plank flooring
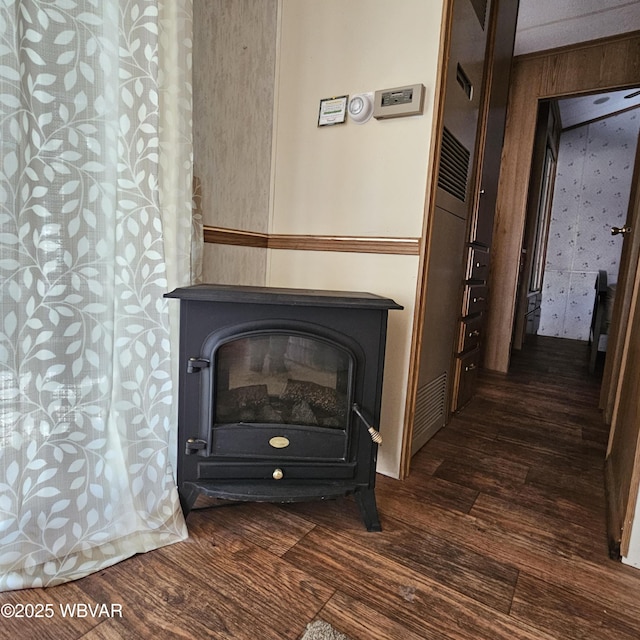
498, 534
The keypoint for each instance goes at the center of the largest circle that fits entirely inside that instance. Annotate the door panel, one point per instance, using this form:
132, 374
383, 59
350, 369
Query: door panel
442, 306
621, 385
448, 229
463, 91
622, 303
623, 459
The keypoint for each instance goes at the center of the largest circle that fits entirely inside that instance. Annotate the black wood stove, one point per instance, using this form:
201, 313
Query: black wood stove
280, 394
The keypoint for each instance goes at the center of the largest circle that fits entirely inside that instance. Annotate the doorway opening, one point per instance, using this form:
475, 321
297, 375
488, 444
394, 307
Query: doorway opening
582, 168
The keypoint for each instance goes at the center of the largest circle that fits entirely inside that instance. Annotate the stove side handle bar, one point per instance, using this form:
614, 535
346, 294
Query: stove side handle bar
373, 432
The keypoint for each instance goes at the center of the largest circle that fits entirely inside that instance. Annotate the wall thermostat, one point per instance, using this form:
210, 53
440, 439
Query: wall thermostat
361, 107
399, 102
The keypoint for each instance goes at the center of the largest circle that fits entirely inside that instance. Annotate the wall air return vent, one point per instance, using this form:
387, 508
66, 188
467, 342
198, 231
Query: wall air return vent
430, 411
454, 166
480, 7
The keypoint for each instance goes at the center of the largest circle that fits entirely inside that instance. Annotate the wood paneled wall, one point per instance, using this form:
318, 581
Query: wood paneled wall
590, 67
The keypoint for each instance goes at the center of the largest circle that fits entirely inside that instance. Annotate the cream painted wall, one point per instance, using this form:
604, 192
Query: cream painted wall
261, 68
360, 180
352, 179
386, 275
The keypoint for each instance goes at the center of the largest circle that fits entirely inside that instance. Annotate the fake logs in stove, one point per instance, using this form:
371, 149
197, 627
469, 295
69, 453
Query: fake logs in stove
279, 393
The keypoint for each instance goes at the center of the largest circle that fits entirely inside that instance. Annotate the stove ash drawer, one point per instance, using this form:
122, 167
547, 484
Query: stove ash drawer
276, 471
277, 442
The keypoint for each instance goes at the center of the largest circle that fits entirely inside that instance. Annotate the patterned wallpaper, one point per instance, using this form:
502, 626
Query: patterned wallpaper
593, 181
234, 51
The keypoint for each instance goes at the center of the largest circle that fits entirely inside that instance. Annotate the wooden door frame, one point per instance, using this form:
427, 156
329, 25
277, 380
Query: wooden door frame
601, 65
547, 137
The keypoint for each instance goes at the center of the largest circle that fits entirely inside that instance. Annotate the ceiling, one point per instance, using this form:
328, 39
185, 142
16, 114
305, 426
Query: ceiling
576, 111
547, 24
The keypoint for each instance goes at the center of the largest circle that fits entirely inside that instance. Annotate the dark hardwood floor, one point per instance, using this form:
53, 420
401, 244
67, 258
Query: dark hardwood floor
498, 534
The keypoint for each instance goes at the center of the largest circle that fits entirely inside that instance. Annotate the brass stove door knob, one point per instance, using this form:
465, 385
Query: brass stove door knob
277, 474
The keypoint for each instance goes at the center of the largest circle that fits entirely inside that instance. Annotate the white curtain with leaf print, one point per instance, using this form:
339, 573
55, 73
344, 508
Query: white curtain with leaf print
95, 226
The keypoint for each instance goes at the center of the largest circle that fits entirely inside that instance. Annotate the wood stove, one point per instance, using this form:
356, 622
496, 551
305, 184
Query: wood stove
280, 394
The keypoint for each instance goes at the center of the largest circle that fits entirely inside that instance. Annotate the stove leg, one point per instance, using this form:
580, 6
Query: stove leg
188, 496
366, 500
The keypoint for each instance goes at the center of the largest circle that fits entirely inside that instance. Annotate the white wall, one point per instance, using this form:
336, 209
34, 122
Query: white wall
633, 556
358, 180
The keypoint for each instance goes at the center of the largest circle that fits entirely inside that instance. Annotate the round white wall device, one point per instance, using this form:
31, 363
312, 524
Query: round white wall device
361, 107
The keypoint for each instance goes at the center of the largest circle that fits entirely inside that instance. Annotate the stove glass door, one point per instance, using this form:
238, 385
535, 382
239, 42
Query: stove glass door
282, 378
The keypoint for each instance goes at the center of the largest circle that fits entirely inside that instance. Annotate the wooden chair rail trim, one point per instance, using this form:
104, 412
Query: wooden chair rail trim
218, 235
354, 244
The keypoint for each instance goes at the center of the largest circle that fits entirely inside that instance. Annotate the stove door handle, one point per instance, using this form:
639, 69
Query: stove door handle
374, 433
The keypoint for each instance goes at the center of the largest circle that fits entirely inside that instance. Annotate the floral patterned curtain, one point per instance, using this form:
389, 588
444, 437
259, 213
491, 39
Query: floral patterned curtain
95, 226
